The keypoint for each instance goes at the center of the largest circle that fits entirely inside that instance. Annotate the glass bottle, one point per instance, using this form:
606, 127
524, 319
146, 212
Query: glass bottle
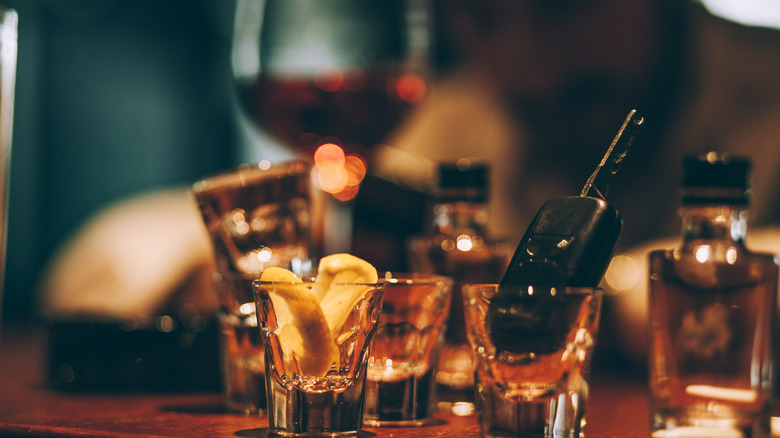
457, 245
712, 310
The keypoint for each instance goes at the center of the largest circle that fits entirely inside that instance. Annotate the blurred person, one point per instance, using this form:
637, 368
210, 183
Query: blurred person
538, 89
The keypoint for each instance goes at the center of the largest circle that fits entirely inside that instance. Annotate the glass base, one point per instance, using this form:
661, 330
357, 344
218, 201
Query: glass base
684, 423
457, 408
697, 432
402, 403
312, 434
402, 423
296, 413
558, 416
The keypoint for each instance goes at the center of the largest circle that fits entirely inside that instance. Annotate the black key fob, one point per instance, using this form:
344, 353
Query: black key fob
569, 243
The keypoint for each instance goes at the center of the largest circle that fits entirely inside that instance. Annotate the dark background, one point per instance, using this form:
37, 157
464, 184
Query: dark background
113, 97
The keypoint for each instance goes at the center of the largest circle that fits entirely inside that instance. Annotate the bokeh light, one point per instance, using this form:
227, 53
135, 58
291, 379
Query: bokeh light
339, 174
329, 158
624, 273
464, 242
411, 87
356, 168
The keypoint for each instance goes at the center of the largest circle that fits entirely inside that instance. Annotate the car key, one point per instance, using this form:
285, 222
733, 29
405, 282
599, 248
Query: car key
569, 243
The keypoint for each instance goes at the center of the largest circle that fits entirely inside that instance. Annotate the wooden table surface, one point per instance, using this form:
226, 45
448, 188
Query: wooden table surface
618, 408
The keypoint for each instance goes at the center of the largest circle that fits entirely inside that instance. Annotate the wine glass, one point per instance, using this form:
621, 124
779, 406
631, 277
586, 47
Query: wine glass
330, 79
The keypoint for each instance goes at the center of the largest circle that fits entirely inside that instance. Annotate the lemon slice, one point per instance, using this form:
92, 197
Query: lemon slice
303, 334
279, 274
335, 286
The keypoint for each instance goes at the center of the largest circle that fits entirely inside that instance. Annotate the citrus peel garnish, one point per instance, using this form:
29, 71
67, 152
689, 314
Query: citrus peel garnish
276, 274
342, 280
304, 332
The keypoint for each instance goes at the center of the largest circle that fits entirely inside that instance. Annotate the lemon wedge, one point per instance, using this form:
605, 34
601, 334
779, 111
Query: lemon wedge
280, 275
338, 286
304, 333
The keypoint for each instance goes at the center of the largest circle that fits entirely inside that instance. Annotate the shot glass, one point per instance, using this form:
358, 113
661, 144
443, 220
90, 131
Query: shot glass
326, 403
241, 349
401, 371
257, 216
532, 374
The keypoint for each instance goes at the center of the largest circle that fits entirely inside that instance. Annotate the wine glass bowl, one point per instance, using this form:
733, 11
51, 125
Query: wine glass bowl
330, 78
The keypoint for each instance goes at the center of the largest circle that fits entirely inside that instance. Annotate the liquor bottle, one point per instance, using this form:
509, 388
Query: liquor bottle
712, 309
457, 245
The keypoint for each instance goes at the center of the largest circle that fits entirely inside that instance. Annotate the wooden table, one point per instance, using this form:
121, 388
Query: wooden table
617, 408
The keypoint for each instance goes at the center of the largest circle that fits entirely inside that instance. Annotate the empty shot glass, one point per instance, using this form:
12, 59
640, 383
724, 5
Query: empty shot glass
532, 372
401, 372
316, 361
257, 216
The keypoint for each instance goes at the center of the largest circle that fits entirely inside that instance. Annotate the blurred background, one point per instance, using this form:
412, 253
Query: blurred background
115, 97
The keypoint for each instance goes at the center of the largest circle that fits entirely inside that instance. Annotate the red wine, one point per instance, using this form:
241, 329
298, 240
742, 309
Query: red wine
350, 108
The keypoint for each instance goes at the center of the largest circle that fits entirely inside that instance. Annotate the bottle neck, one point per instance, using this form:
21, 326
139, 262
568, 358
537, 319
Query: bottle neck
450, 216
723, 223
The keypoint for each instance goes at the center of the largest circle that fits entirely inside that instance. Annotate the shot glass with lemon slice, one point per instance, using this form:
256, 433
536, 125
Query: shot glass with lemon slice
317, 336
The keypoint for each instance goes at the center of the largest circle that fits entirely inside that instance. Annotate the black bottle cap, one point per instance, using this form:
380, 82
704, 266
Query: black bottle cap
464, 180
715, 178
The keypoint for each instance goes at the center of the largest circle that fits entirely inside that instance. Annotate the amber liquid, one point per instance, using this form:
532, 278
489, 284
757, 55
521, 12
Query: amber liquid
711, 339
399, 398
554, 342
356, 112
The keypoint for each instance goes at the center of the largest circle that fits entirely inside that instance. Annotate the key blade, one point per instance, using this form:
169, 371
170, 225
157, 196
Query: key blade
598, 183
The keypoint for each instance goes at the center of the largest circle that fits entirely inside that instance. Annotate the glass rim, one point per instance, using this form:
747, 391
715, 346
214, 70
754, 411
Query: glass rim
565, 289
414, 279
247, 174
311, 281
217, 276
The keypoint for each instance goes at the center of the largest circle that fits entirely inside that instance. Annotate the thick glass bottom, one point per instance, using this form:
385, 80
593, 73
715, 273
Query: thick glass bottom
691, 422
